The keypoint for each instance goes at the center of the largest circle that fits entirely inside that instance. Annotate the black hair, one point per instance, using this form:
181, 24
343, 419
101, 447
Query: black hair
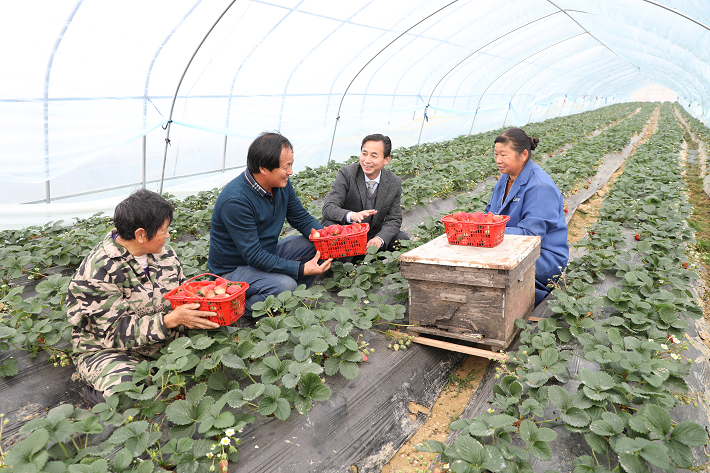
378, 137
517, 139
142, 209
265, 151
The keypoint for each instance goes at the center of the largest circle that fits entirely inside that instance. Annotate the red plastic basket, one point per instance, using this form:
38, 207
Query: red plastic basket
339, 246
486, 235
229, 307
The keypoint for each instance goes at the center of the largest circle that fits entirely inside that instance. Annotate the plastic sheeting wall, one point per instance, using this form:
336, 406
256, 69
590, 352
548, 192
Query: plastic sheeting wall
87, 85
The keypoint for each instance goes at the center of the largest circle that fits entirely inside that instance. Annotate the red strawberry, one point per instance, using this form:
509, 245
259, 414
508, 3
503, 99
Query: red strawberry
638, 237
566, 210
221, 289
685, 265
357, 226
497, 218
208, 287
459, 216
364, 357
209, 294
220, 281
234, 288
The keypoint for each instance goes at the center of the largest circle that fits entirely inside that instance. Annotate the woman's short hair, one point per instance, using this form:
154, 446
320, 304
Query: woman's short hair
142, 209
265, 152
518, 140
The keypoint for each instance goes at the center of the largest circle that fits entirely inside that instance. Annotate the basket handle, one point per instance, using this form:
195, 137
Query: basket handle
199, 276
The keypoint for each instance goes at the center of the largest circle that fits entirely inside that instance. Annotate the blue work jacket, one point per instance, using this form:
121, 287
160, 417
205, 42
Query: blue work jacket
534, 205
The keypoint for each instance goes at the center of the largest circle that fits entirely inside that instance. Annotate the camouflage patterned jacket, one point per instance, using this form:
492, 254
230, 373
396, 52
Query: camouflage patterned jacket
113, 305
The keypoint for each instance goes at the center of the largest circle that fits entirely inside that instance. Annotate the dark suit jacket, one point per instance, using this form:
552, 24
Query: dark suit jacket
348, 194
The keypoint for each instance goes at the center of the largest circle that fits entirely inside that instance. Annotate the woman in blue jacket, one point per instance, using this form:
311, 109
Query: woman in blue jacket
534, 203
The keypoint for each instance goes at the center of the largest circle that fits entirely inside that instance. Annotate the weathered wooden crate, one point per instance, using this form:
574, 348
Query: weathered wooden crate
471, 293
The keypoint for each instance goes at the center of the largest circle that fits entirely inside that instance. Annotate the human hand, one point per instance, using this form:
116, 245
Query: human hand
190, 317
376, 241
358, 217
312, 267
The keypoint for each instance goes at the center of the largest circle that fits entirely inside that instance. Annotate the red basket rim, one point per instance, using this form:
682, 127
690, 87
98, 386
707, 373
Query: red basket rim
170, 296
449, 219
364, 229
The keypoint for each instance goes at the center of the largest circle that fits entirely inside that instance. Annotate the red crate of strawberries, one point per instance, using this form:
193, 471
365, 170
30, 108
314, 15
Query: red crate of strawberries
226, 298
475, 229
338, 241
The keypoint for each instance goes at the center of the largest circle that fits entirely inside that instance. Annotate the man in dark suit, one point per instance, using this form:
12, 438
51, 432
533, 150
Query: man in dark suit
366, 192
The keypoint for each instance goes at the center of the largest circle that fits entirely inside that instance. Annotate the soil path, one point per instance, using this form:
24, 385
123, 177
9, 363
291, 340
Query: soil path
588, 211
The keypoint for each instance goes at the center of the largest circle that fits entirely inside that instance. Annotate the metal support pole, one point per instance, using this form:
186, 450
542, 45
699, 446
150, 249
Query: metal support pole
510, 68
143, 164
506, 114
422, 127
177, 89
368, 62
224, 154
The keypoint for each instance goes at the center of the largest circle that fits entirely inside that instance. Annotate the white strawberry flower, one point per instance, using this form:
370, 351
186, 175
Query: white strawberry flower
225, 441
229, 432
664, 346
674, 356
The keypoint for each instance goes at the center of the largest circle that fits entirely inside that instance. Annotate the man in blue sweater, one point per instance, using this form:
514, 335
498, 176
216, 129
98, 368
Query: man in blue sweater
247, 221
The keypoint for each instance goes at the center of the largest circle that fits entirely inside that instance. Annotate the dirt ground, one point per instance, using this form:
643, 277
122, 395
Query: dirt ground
447, 408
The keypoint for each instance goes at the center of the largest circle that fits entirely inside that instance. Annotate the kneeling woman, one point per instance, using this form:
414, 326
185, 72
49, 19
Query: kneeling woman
534, 203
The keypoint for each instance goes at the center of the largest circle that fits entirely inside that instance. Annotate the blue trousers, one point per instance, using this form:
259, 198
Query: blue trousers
541, 291
263, 284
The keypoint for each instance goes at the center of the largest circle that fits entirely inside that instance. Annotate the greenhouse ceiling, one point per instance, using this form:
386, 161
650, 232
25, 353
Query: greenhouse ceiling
98, 98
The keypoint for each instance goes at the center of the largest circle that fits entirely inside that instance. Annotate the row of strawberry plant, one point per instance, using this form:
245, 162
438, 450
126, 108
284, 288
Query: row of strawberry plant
577, 164
697, 127
464, 162
206, 387
461, 162
621, 410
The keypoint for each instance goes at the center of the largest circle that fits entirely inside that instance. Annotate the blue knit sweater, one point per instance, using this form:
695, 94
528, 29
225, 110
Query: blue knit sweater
245, 228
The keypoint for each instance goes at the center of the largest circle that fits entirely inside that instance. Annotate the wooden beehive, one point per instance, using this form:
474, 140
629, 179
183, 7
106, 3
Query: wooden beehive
471, 293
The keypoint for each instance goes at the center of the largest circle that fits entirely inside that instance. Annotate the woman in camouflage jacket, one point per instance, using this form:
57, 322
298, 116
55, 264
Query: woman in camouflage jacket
116, 300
